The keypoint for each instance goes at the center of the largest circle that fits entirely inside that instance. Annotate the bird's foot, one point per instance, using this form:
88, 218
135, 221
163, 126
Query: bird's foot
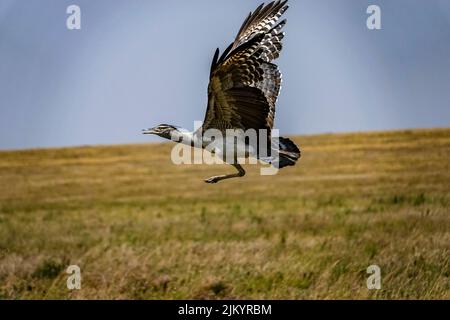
212, 180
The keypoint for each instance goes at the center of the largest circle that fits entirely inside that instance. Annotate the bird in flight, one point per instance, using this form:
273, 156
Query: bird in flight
242, 93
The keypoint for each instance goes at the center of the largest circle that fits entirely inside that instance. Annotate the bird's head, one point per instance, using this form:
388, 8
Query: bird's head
165, 131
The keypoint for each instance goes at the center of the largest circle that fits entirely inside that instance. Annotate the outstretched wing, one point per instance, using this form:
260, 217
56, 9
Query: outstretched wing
244, 84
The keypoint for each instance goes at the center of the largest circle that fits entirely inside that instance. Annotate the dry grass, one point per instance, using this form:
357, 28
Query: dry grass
140, 227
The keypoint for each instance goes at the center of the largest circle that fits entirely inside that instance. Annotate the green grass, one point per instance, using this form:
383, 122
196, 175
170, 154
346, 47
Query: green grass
140, 227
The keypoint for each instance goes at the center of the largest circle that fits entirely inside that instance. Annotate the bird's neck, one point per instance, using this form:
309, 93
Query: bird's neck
186, 137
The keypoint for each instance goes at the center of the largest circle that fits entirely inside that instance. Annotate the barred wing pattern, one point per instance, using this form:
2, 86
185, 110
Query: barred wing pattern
244, 83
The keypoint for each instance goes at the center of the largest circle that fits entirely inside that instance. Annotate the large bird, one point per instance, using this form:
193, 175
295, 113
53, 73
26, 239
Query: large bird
242, 94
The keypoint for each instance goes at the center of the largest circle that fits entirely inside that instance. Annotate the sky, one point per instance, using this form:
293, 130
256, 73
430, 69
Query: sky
138, 63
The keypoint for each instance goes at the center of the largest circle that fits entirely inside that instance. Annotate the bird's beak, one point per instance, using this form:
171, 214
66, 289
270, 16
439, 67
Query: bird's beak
149, 131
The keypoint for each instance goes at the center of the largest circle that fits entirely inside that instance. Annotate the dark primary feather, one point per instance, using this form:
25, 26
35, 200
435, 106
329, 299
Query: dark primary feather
261, 21
244, 84
228, 106
289, 153
214, 61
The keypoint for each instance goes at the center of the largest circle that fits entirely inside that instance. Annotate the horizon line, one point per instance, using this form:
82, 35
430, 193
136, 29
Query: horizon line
106, 145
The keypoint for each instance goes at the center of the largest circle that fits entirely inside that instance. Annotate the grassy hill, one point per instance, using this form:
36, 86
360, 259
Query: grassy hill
140, 227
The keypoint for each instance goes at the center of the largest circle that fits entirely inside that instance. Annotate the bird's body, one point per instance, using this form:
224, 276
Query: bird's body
242, 95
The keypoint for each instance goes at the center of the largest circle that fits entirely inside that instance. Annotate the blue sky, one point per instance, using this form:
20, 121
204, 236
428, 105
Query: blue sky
137, 63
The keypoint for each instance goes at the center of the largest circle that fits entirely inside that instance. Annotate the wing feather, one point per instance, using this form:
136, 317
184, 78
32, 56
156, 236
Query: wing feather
244, 83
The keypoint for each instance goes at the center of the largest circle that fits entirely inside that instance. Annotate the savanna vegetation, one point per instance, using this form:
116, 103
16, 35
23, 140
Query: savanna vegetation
140, 227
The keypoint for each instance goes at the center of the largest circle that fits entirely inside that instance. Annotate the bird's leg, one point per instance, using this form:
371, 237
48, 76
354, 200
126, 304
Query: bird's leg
241, 173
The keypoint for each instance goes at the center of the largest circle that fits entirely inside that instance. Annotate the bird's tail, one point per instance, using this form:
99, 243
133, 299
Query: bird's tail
288, 152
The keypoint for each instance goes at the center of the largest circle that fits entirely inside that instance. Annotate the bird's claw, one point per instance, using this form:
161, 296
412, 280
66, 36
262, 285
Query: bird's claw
211, 180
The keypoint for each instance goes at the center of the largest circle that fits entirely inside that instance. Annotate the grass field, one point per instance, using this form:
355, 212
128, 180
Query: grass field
140, 227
